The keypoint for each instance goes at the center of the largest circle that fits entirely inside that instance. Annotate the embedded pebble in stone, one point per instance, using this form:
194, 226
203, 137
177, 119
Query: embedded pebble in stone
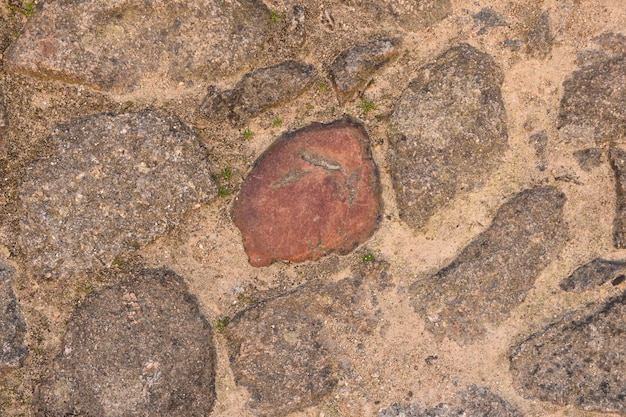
411, 16
101, 193
12, 324
475, 401
354, 67
139, 348
258, 91
494, 272
289, 351
488, 19
313, 192
592, 274
448, 132
118, 47
589, 159
617, 157
539, 38
578, 361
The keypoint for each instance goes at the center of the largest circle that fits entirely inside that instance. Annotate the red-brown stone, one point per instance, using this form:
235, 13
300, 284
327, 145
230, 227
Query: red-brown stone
313, 192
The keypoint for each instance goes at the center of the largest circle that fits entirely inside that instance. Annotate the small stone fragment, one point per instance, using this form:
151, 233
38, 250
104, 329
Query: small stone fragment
102, 192
578, 361
539, 140
589, 159
354, 67
448, 132
313, 192
495, 271
140, 348
410, 15
592, 274
488, 19
286, 350
12, 324
539, 38
258, 91
617, 157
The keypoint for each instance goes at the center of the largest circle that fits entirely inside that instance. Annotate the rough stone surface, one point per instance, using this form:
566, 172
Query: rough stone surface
12, 324
495, 271
589, 159
258, 91
312, 192
448, 131
578, 361
539, 38
617, 157
539, 140
411, 16
487, 19
140, 348
593, 102
592, 274
115, 46
287, 351
475, 401
101, 192
354, 67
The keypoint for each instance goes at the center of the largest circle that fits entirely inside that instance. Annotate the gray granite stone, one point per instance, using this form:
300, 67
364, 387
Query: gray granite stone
592, 274
617, 158
12, 324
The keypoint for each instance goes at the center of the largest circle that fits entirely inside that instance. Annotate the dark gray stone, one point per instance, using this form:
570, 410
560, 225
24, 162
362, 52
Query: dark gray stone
118, 46
618, 163
488, 19
102, 192
578, 361
448, 132
610, 45
140, 348
592, 274
475, 401
258, 91
495, 271
410, 15
12, 324
539, 38
354, 67
589, 159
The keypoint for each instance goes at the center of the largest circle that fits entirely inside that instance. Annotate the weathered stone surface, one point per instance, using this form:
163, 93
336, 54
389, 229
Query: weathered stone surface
592, 274
593, 102
12, 324
115, 46
448, 131
354, 67
475, 401
287, 351
495, 271
589, 159
140, 348
314, 191
617, 157
578, 361
102, 192
258, 91
488, 19
411, 16
539, 38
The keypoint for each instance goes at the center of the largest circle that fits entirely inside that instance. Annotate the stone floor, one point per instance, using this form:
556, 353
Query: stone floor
313, 208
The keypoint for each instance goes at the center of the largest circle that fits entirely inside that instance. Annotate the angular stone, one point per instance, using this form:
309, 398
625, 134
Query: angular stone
102, 192
313, 192
593, 102
12, 324
539, 38
117, 45
410, 15
589, 159
592, 274
475, 401
495, 271
354, 67
578, 361
259, 90
488, 19
618, 163
287, 351
539, 140
138, 348
448, 132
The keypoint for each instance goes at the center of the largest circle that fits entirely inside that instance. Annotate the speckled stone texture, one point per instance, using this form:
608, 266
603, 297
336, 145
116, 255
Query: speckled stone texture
617, 157
12, 324
101, 192
495, 271
313, 192
578, 361
592, 274
448, 132
139, 348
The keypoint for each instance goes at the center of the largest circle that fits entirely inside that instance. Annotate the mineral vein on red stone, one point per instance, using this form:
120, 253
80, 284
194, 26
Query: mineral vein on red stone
313, 192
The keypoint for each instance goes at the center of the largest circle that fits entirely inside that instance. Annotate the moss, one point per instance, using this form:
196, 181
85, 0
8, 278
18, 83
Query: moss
221, 322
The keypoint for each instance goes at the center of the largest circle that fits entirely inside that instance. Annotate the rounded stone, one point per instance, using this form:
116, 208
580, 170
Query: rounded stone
313, 192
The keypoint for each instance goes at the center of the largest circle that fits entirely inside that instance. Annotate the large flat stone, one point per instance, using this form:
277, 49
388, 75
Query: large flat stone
139, 348
12, 324
448, 132
578, 361
117, 46
102, 191
495, 271
313, 192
